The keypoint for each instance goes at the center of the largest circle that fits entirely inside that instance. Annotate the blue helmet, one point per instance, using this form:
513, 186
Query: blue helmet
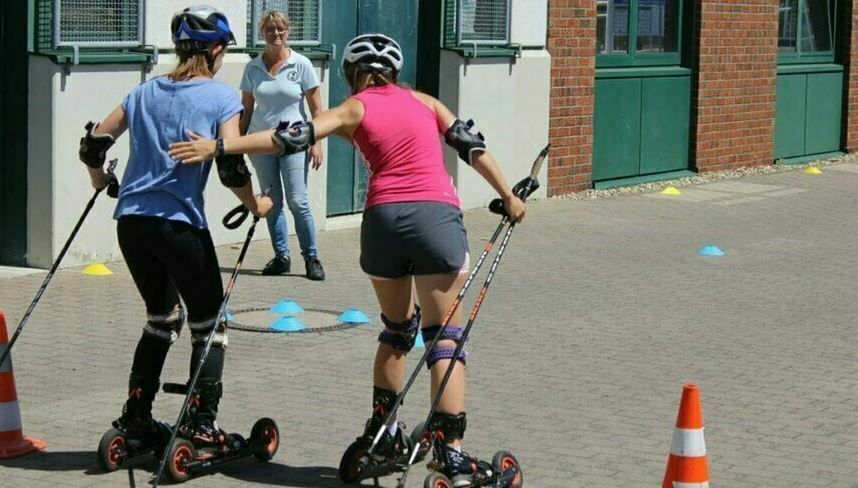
200, 26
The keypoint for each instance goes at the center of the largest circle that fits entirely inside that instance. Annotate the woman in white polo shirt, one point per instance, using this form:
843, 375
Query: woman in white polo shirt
272, 90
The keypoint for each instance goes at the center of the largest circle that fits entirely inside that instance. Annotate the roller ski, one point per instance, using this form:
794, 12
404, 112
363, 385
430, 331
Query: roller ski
200, 444
392, 452
135, 434
453, 468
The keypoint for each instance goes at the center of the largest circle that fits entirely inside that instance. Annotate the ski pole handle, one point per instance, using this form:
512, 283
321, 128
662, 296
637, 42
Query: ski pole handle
235, 217
113, 186
523, 188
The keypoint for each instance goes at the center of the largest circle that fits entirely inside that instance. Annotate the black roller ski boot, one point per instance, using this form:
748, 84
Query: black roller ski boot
454, 468
389, 455
135, 433
200, 444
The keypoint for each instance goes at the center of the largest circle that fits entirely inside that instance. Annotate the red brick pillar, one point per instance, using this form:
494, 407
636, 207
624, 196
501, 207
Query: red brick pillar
736, 76
572, 45
850, 62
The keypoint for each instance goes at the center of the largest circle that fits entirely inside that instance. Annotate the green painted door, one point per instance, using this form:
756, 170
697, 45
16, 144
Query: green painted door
342, 20
665, 114
616, 132
790, 115
824, 102
808, 111
641, 126
339, 25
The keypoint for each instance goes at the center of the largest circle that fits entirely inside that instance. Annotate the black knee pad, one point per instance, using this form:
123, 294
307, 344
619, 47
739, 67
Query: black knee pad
200, 332
448, 425
438, 352
400, 335
165, 327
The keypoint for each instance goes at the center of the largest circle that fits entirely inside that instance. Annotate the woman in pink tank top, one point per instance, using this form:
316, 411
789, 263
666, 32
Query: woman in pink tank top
412, 236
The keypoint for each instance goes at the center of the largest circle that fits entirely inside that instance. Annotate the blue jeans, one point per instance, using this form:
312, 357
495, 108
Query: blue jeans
293, 171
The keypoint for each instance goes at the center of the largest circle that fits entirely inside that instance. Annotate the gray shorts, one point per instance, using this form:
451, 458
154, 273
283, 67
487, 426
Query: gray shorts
413, 238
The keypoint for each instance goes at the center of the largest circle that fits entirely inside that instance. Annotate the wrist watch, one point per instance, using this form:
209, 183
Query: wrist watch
219, 150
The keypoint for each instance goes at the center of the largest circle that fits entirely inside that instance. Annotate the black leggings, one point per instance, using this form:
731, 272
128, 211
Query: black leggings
169, 260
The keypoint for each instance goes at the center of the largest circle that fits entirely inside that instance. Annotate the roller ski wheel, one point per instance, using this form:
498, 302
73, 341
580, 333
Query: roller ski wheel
437, 480
356, 463
180, 456
353, 462
506, 465
264, 439
112, 450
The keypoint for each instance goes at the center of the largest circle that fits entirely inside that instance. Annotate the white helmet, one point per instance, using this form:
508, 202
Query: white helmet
373, 51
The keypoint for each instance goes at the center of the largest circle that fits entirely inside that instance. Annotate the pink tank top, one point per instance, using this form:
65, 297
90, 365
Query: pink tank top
400, 141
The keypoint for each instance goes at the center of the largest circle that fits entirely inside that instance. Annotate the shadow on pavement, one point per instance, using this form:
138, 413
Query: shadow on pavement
56, 461
283, 475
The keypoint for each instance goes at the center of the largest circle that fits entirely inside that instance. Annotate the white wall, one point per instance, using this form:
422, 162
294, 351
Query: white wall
58, 186
160, 12
529, 21
508, 100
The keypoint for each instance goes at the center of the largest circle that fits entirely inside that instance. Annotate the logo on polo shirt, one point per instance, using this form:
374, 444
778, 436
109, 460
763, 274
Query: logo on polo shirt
292, 75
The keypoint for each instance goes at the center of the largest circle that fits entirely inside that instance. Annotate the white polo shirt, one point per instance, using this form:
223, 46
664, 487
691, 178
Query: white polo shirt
278, 97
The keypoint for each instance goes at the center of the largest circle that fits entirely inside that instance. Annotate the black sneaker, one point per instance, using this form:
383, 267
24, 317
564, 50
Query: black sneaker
277, 266
314, 269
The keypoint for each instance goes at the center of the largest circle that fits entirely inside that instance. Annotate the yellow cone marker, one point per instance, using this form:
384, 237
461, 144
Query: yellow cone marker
671, 190
813, 170
97, 269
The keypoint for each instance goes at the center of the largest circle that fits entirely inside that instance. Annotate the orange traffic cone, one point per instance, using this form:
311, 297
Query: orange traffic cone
687, 466
12, 440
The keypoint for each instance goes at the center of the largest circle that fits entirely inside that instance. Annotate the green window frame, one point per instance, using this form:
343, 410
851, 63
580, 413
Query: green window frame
610, 20
90, 31
795, 25
479, 28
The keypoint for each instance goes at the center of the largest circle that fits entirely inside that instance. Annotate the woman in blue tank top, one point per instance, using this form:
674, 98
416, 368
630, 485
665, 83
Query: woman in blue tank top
162, 228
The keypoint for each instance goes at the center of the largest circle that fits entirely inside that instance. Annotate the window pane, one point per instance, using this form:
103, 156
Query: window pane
612, 26
658, 22
787, 25
484, 21
815, 26
99, 22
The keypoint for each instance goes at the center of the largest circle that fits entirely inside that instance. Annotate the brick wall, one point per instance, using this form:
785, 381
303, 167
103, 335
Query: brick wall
572, 45
850, 81
733, 107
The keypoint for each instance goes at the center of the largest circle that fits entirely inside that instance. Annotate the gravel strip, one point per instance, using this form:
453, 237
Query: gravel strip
703, 178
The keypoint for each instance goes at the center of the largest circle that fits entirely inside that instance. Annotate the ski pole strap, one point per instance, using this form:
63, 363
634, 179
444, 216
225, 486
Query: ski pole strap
235, 217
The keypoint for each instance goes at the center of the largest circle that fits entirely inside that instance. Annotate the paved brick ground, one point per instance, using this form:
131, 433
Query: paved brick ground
599, 313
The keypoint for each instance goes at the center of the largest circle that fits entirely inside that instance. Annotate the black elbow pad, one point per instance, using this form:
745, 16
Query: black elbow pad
465, 141
232, 170
93, 147
294, 138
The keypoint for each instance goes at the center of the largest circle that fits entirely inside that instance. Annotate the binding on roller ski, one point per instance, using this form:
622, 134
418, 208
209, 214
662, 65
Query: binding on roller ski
179, 447
362, 461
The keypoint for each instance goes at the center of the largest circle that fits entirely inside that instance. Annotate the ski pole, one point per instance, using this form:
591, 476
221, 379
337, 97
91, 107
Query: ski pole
4, 353
220, 316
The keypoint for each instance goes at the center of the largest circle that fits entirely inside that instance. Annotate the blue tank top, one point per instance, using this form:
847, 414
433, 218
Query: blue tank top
159, 112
